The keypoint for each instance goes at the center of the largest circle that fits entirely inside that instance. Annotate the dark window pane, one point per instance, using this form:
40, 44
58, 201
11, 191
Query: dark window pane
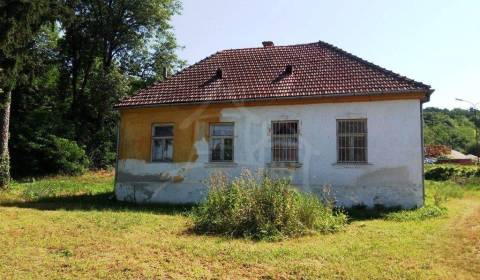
359, 141
227, 154
168, 151
216, 149
228, 143
284, 128
344, 142
360, 155
352, 140
162, 149
285, 141
163, 131
157, 149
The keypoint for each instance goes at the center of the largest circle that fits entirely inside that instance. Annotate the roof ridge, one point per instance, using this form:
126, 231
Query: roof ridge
371, 64
268, 48
347, 73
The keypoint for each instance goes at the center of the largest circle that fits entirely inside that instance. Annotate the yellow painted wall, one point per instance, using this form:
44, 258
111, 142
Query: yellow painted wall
191, 123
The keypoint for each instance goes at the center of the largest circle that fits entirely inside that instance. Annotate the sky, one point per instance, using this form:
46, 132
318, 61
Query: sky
435, 42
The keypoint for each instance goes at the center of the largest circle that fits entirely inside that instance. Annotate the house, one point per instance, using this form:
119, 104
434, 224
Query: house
311, 112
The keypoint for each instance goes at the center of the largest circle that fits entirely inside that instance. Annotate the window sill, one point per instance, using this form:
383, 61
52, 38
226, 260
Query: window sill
352, 164
284, 165
224, 164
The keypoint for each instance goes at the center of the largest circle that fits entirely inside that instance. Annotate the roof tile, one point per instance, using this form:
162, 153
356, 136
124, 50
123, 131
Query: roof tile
258, 73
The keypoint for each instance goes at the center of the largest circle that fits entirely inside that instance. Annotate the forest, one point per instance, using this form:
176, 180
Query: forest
63, 65
454, 128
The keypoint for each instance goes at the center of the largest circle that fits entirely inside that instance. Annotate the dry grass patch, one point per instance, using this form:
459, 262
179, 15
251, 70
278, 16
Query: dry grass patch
87, 235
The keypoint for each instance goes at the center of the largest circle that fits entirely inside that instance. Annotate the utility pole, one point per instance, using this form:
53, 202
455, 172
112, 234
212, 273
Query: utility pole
474, 108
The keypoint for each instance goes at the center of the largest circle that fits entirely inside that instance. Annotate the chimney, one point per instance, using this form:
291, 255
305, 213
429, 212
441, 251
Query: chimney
267, 44
165, 73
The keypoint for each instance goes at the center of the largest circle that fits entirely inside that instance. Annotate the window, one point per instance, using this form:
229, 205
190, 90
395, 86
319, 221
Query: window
352, 141
221, 142
285, 141
162, 142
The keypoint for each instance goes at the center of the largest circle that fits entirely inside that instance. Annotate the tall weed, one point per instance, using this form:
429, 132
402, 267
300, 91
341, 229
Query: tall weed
260, 207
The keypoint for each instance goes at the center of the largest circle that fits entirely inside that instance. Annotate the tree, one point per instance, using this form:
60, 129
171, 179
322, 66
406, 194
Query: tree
19, 23
83, 56
109, 49
454, 128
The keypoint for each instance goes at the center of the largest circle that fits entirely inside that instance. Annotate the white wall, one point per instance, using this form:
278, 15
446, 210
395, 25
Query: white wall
392, 177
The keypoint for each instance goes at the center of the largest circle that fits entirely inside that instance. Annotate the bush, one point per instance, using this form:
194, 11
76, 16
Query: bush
50, 155
259, 207
67, 157
444, 172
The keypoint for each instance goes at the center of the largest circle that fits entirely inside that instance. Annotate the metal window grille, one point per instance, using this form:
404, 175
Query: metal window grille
221, 141
352, 141
162, 142
285, 141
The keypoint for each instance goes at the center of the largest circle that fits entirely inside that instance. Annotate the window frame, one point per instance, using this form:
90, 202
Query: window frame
351, 136
211, 137
153, 138
297, 136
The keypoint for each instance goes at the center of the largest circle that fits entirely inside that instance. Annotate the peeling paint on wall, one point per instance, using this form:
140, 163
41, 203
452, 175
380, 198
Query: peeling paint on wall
392, 177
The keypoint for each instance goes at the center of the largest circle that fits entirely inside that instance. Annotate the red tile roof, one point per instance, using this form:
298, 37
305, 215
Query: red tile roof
318, 69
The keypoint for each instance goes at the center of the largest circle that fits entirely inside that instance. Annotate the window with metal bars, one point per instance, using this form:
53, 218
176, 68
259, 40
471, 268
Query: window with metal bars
221, 142
352, 141
162, 142
285, 141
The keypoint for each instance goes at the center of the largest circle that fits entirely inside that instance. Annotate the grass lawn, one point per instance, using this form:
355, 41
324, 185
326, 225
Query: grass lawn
70, 228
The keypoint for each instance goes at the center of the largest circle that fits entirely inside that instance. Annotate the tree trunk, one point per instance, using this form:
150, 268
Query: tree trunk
4, 136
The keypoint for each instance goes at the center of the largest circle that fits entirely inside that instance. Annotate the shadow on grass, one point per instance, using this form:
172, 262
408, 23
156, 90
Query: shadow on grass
96, 202
362, 213
107, 202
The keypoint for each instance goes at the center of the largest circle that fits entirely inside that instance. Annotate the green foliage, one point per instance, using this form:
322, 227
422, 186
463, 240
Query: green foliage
263, 208
19, 24
51, 155
65, 156
455, 128
443, 172
81, 61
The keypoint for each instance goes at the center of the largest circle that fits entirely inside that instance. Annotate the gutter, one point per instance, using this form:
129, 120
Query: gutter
240, 101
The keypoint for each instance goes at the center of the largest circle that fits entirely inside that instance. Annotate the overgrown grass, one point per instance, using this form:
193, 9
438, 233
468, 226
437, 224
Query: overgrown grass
259, 207
420, 214
86, 235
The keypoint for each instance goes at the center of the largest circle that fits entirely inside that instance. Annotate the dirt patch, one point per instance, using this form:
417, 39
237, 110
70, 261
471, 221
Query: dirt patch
463, 251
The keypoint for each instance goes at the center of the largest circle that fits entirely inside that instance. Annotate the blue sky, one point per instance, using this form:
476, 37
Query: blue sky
435, 42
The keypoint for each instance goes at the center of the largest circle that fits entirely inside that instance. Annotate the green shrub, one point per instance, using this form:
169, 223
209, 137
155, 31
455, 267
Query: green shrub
444, 172
259, 207
49, 155
67, 157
